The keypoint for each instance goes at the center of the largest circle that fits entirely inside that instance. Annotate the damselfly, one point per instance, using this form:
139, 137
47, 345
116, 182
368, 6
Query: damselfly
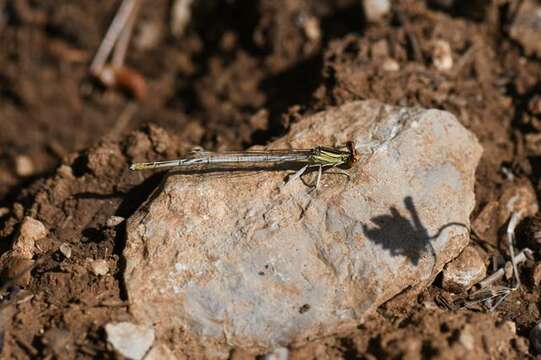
319, 156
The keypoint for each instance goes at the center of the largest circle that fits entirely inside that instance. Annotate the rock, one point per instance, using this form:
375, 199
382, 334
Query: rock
130, 340
181, 14
390, 65
31, 231
442, 56
24, 166
247, 261
526, 27
464, 271
114, 221
65, 171
519, 197
99, 267
65, 249
280, 353
466, 338
375, 10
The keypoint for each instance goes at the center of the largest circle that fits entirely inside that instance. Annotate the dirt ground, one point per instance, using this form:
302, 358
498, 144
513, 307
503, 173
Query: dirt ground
239, 75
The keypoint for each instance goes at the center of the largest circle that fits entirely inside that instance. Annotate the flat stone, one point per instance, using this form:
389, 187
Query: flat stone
465, 271
526, 27
237, 259
131, 340
99, 267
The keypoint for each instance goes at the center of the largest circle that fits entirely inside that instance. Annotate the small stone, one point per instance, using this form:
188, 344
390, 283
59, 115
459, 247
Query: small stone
18, 210
390, 65
510, 326
31, 231
526, 27
375, 10
181, 13
130, 340
99, 267
106, 161
65, 249
114, 221
3, 211
280, 353
24, 166
536, 275
464, 271
379, 49
466, 338
519, 197
311, 28
65, 171
442, 56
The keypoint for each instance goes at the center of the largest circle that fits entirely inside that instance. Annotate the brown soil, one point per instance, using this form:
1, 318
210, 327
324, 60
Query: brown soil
242, 72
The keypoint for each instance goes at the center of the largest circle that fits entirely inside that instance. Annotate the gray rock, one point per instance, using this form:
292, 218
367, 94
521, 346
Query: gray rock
465, 271
238, 260
130, 340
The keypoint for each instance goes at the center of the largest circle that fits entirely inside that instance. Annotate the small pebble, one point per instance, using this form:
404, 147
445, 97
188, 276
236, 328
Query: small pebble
311, 28
3, 211
65, 171
114, 221
390, 65
280, 353
65, 249
464, 271
466, 338
130, 340
442, 55
99, 267
31, 231
18, 210
24, 166
181, 14
375, 10
511, 326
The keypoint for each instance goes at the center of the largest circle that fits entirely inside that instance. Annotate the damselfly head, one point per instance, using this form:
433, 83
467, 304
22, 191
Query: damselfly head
353, 156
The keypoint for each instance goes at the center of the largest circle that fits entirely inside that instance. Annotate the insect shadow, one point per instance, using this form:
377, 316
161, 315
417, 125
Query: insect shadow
404, 236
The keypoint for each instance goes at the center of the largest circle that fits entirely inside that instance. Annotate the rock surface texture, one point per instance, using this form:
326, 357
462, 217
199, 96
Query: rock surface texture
238, 259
